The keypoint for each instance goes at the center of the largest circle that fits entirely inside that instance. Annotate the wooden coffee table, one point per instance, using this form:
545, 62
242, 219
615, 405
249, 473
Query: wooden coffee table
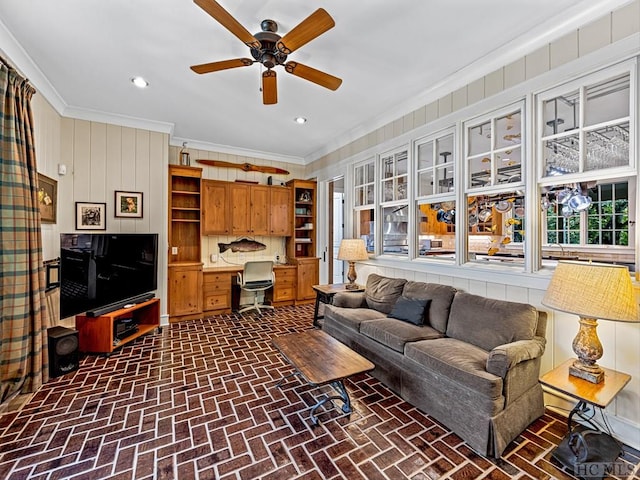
320, 359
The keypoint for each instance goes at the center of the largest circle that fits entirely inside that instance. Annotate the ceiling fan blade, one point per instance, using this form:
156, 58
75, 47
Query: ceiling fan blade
316, 76
269, 88
225, 19
222, 65
311, 27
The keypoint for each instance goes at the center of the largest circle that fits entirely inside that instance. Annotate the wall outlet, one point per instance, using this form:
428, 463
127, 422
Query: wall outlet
214, 258
174, 250
276, 258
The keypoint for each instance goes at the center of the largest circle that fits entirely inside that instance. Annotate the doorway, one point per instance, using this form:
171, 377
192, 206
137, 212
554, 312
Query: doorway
336, 229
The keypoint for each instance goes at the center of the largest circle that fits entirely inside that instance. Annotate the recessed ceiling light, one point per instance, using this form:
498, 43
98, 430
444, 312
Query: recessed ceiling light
300, 120
139, 82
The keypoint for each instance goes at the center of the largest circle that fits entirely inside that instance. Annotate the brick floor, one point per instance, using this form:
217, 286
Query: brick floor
197, 401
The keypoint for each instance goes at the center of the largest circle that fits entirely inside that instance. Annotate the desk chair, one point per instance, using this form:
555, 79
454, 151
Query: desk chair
257, 277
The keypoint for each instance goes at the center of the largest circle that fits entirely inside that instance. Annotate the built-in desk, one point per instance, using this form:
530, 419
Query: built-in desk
221, 294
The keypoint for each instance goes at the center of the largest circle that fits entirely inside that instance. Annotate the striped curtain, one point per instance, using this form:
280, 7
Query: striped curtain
23, 351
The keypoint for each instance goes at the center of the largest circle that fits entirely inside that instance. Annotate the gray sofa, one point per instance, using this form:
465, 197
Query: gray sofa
473, 363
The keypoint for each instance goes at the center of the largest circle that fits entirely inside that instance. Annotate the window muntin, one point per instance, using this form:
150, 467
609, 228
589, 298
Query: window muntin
493, 154
364, 184
587, 128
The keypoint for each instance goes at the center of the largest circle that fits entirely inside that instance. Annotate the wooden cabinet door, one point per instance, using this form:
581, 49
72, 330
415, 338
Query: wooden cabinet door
215, 208
185, 290
259, 210
280, 223
241, 209
308, 274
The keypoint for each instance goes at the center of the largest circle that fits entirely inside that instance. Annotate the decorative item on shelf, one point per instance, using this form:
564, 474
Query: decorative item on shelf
305, 196
592, 291
184, 155
352, 250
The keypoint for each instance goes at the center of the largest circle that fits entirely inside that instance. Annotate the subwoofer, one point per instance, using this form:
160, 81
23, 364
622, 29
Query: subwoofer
63, 351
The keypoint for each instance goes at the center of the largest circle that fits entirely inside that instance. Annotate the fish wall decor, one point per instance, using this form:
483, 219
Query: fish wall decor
242, 245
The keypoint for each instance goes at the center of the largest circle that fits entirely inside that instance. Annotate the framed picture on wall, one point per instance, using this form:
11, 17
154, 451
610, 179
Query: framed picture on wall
91, 216
128, 204
47, 198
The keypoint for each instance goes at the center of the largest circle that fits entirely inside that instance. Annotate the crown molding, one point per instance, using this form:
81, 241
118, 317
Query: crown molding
230, 150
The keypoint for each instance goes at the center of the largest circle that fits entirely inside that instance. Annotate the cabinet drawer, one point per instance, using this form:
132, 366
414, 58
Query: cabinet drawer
210, 278
283, 293
216, 288
215, 302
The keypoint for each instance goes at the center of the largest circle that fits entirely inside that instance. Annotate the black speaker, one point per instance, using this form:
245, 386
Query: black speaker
63, 351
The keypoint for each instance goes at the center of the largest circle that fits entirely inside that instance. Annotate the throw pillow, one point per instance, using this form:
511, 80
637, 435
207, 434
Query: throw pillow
410, 310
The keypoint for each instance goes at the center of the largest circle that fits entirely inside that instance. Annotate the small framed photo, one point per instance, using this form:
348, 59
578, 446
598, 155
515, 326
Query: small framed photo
128, 204
91, 216
47, 198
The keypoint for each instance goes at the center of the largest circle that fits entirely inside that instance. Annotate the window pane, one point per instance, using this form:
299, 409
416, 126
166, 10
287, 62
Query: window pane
425, 183
444, 179
562, 155
369, 195
561, 113
387, 190
608, 147
359, 196
607, 100
387, 167
365, 228
479, 139
394, 228
436, 230
401, 190
445, 149
509, 164
401, 163
480, 171
496, 228
359, 180
425, 156
508, 130
370, 173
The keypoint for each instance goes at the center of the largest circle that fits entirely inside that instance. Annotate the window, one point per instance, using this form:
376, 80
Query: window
586, 128
494, 152
394, 206
364, 189
435, 200
494, 187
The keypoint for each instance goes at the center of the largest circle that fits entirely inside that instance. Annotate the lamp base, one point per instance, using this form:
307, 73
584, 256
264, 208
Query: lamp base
593, 374
352, 286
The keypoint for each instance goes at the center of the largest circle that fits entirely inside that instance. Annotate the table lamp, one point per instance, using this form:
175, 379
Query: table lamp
352, 250
592, 291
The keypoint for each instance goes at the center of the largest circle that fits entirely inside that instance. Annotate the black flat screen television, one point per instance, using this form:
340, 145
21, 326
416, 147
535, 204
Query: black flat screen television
101, 272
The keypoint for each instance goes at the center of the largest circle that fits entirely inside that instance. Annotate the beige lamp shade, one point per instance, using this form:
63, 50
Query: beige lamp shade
352, 250
594, 290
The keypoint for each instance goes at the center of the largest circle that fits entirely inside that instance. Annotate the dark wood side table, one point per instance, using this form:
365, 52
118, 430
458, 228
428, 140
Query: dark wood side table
586, 393
325, 294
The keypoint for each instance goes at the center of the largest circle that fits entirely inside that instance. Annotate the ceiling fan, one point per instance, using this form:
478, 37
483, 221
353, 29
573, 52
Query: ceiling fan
271, 50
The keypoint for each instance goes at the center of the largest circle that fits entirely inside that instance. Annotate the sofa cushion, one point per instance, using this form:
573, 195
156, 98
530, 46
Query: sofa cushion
410, 310
351, 317
457, 360
487, 323
382, 292
395, 334
441, 297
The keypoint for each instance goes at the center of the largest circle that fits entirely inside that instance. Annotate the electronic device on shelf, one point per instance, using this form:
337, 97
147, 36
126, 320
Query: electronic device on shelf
123, 327
103, 272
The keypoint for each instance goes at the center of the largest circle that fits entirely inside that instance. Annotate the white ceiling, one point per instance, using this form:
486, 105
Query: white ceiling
392, 57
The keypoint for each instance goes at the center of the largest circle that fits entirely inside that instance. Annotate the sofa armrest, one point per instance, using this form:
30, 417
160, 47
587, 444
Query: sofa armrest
350, 299
504, 357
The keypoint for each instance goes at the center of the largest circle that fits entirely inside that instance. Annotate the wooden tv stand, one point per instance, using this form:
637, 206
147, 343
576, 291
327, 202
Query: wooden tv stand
96, 333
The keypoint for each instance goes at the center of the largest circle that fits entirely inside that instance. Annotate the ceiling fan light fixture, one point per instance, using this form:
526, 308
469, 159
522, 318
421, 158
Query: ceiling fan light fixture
139, 82
300, 120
